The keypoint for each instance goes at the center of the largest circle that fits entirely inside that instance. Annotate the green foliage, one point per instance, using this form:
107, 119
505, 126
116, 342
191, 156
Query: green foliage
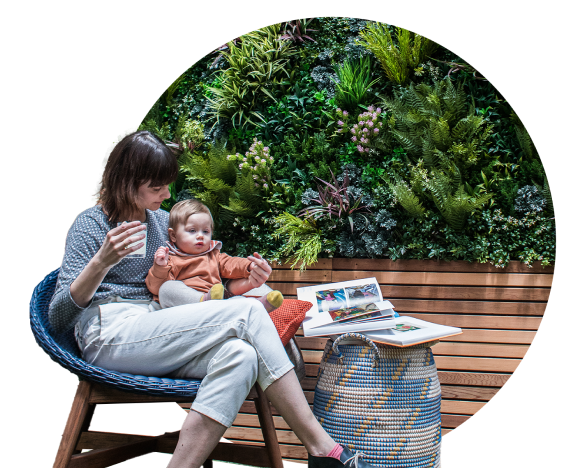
189, 133
297, 30
301, 112
354, 81
437, 125
213, 179
451, 173
528, 239
257, 67
254, 234
300, 152
398, 58
446, 140
303, 239
406, 196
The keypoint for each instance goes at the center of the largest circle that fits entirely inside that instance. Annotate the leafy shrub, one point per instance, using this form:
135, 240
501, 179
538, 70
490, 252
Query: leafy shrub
529, 200
354, 78
257, 66
303, 239
400, 58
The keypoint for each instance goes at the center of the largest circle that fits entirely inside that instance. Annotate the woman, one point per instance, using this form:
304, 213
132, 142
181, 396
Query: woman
229, 344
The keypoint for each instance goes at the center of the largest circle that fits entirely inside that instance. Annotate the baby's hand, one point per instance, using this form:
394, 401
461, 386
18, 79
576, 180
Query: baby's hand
162, 256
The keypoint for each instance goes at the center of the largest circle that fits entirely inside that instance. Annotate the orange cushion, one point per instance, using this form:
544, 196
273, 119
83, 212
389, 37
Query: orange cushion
288, 317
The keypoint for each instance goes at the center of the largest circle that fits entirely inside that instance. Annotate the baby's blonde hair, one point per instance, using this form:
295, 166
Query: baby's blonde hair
181, 211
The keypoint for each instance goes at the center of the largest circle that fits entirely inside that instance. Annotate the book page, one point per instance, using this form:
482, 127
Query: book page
331, 300
338, 301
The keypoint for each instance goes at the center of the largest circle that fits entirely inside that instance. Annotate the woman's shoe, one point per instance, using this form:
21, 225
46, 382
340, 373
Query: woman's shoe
347, 459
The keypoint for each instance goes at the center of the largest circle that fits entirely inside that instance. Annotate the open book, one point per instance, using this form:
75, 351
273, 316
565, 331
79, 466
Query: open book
348, 306
409, 331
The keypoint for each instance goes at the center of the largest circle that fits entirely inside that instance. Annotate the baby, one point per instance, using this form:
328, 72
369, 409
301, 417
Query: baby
191, 268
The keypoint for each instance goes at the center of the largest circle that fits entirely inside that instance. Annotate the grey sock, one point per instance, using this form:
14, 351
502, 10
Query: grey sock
176, 293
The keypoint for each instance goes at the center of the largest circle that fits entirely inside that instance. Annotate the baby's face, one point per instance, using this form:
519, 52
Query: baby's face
193, 237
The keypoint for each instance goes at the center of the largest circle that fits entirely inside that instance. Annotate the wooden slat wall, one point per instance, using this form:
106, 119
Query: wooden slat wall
499, 311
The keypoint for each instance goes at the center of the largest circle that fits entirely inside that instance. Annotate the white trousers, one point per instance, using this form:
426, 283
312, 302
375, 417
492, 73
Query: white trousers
230, 344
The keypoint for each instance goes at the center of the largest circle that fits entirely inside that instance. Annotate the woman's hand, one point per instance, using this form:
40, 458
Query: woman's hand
259, 270
116, 244
162, 256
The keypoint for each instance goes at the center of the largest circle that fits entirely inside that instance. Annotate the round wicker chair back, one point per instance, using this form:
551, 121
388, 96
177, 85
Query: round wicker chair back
62, 348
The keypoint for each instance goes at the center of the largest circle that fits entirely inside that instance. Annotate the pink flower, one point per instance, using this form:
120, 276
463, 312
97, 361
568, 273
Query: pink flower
365, 130
354, 138
263, 161
257, 185
376, 130
378, 111
266, 148
264, 185
370, 124
244, 159
371, 109
353, 130
257, 158
338, 110
360, 149
340, 123
241, 166
345, 113
367, 150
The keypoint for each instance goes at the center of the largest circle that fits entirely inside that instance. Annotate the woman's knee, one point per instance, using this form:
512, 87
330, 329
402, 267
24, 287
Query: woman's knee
236, 355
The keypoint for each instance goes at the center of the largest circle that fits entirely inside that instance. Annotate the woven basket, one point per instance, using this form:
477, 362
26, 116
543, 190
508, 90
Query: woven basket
381, 400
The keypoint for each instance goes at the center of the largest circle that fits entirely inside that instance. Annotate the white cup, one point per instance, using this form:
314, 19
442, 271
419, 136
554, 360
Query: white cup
143, 250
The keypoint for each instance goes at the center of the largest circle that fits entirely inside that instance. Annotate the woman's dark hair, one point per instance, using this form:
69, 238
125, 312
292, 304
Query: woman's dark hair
138, 158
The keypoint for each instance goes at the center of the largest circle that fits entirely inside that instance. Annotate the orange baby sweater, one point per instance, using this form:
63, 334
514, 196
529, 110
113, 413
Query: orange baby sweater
198, 272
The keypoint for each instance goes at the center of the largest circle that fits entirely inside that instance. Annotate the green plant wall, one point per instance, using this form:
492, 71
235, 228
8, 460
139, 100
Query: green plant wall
343, 137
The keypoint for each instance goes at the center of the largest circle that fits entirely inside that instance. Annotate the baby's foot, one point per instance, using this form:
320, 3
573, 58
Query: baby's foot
271, 300
215, 293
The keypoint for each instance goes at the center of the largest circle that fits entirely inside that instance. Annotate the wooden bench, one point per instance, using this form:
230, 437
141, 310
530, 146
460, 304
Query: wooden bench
499, 311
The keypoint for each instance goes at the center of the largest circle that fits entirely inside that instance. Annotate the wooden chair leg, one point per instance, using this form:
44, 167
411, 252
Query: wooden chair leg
268, 428
79, 418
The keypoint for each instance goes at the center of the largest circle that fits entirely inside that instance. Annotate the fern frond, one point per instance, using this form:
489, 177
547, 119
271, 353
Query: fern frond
545, 191
240, 207
303, 239
246, 190
407, 199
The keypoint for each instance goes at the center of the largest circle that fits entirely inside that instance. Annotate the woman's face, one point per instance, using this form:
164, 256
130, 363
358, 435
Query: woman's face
150, 198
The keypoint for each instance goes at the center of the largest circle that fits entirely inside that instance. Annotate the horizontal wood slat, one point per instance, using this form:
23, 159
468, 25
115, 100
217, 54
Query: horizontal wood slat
435, 293
452, 349
447, 279
471, 378
465, 293
403, 306
414, 278
433, 265
482, 321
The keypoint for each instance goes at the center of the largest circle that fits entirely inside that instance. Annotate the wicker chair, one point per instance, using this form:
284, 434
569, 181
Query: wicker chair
101, 386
